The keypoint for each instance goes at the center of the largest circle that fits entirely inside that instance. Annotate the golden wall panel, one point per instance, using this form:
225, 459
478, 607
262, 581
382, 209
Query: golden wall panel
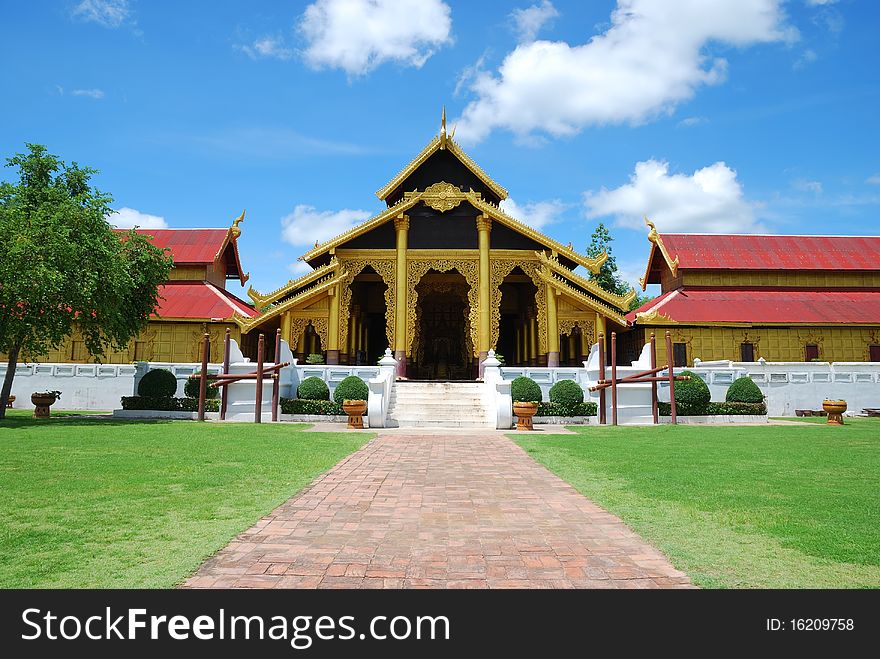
799, 278
188, 273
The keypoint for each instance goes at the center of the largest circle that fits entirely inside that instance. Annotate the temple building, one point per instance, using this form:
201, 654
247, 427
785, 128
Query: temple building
747, 297
441, 276
193, 301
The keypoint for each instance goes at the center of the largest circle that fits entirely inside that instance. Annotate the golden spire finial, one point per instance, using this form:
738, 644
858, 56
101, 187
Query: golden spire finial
236, 232
443, 128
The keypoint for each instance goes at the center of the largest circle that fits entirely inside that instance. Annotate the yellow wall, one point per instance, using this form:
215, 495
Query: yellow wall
162, 341
818, 279
781, 344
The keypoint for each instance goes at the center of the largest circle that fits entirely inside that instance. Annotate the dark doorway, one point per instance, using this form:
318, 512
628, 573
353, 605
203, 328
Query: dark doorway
811, 352
747, 352
443, 352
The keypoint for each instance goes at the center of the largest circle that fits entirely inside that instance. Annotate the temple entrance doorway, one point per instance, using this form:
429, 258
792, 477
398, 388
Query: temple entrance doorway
442, 347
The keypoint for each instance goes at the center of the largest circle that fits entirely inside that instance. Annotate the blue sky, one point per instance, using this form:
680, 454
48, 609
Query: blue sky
722, 115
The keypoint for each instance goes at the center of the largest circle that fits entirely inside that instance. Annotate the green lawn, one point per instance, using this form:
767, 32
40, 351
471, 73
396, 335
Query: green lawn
101, 503
770, 506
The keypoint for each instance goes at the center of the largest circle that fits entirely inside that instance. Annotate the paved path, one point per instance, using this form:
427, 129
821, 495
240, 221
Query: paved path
464, 510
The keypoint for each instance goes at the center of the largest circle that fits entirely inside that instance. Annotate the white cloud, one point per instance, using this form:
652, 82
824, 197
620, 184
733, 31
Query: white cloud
109, 13
305, 224
528, 22
651, 59
127, 218
96, 94
267, 47
536, 215
818, 3
805, 185
873, 180
689, 122
807, 57
299, 268
709, 201
359, 35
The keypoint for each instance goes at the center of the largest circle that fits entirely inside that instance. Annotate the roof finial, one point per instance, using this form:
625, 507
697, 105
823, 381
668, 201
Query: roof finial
443, 129
236, 232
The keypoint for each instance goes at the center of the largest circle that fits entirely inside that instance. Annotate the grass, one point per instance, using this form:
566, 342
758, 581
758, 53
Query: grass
98, 503
789, 506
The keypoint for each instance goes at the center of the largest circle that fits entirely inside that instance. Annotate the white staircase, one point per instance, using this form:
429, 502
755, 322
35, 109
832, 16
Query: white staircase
439, 405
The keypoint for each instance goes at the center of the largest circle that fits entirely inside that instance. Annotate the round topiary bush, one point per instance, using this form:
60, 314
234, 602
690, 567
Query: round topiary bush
567, 394
313, 388
351, 388
525, 390
692, 396
159, 383
191, 387
744, 390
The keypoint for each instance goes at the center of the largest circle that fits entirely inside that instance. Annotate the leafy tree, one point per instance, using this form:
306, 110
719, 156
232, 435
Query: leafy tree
607, 277
639, 300
63, 267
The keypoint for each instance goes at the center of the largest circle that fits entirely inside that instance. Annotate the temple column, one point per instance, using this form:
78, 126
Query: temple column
285, 330
301, 346
533, 338
401, 226
552, 329
484, 228
333, 327
353, 330
600, 328
573, 342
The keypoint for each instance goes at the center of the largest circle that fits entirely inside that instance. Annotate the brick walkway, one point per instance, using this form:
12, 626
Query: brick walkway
470, 510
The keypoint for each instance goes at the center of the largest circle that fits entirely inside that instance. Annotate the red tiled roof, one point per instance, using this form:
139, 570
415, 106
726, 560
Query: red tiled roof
189, 245
199, 301
757, 252
766, 306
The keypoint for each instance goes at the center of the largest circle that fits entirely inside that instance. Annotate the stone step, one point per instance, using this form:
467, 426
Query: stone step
438, 423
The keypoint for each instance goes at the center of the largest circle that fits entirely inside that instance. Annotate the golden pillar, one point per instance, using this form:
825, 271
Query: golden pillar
600, 327
484, 228
301, 346
285, 331
332, 346
552, 329
533, 337
401, 227
573, 342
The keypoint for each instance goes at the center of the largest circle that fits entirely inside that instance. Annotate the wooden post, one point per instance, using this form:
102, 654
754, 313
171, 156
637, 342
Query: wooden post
276, 376
203, 376
258, 399
224, 395
669, 366
613, 378
602, 416
654, 407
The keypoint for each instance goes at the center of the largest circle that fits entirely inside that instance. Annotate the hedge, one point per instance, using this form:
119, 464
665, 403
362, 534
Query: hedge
692, 395
744, 390
320, 407
191, 387
712, 409
351, 388
525, 390
567, 395
159, 383
313, 388
555, 409
168, 404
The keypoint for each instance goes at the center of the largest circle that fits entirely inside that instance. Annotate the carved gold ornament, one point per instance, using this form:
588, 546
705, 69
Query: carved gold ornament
387, 269
442, 196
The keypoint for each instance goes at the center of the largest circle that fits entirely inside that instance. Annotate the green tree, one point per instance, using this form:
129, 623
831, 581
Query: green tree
639, 300
607, 277
63, 266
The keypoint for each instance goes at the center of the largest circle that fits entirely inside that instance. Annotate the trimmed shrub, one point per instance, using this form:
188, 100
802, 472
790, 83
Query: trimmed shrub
351, 388
313, 388
555, 409
167, 404
744, 390
314, 358
301, 406
159, 383
728, 409
525, 390
191, 388
692, 396
567, 395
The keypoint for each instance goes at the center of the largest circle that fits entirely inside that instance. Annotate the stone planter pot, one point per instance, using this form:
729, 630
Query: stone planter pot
524, 413
835, 410
42, 403
355, 410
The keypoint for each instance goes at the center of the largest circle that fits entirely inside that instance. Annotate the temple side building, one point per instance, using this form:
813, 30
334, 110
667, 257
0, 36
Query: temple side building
747, 297
193, 301
441, 276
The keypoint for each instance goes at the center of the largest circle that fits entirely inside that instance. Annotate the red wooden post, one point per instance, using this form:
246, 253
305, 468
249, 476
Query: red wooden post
258, 399
669, 365
203, 376
276, 376
654, 407
613, 378
224, 391
602, 419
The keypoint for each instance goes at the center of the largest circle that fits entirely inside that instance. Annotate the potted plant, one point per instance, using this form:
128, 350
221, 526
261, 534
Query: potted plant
10, 401
42, 401
835, 410
526, 395
314, 359
352, 394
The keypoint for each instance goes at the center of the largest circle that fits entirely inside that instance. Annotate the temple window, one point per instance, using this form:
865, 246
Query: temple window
747, 352
811, 352
77, 350
140, 351
679, 354
874, 352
